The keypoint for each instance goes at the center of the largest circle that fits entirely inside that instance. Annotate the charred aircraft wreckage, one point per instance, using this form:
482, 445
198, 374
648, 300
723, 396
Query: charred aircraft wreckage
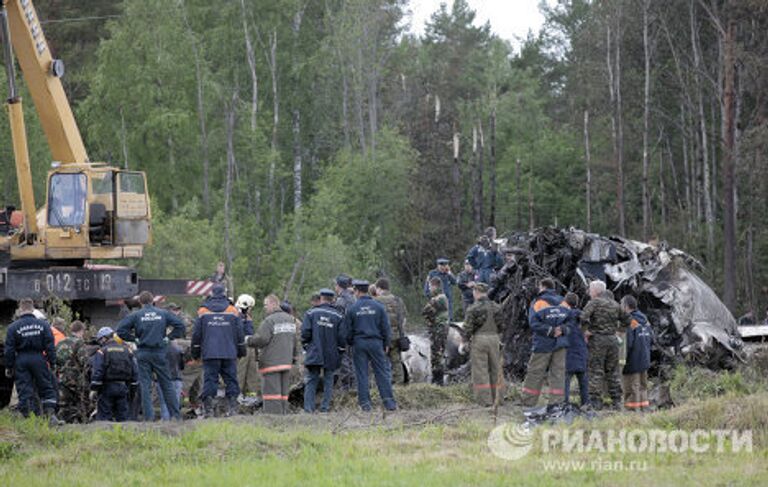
690, 322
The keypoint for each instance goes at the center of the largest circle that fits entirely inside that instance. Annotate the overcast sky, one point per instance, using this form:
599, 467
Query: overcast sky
509, 18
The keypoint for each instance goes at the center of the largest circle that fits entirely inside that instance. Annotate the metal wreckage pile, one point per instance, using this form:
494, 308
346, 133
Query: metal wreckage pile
690, 322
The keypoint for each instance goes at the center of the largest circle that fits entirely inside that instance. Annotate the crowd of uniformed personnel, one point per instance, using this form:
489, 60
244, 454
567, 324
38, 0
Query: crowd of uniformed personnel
353, 328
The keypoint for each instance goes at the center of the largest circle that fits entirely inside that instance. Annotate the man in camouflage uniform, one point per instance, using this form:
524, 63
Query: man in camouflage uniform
483, 327
396, 312
436, 314
74, 368
601, 319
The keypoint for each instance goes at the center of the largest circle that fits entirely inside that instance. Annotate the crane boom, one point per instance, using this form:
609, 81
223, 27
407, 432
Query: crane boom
42, 76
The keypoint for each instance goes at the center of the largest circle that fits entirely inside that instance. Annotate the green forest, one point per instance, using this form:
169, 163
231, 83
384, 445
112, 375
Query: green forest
297, 139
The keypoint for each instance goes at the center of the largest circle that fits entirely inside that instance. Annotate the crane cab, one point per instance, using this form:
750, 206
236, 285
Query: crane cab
92, 211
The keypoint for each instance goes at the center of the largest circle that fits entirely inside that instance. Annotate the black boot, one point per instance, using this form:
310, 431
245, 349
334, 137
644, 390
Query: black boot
208, 411
232, 406
50, 413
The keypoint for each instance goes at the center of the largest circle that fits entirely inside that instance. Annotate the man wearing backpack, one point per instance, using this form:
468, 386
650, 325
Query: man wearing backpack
114, 372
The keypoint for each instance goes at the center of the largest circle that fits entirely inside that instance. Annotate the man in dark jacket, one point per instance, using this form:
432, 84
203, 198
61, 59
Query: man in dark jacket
147, 327
466, 281
278, 343
219, 340
322, 337
114, 372
635, 373
576, 357
443, 272
30, 358
547, 318
368, 332
175, 358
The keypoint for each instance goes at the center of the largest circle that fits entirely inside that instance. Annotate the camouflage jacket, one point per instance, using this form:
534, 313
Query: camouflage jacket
483, 317
603, 316
436, 310
395, 311
72, 362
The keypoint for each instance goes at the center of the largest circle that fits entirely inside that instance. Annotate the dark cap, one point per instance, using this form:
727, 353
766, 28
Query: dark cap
361, 284
343, 280
327, 292
173, 306
287, 307
218, 290
443, 261
481, 287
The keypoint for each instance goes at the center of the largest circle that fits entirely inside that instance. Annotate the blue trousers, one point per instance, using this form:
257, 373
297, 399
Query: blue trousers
583, 386
371, 351
34, 379
113, 402
178, 386
311, 381
153, 361
227, 369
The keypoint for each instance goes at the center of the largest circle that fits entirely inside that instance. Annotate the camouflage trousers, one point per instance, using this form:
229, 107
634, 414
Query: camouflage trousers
398, 376
74, 404
487, 377
549, 366
438, 334
603, 369
192, 377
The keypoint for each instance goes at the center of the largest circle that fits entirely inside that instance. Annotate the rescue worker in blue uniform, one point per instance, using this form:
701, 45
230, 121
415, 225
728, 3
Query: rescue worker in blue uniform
548, 318
443, 271
147, 327
113, 374
219, 339
322, 338
635, 372
485, 259
367, 328
30, 358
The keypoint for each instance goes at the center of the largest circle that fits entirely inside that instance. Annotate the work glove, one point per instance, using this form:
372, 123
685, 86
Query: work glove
93, 395
9, 373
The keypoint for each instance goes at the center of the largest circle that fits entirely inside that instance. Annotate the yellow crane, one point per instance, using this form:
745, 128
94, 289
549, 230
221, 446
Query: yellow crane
91, 211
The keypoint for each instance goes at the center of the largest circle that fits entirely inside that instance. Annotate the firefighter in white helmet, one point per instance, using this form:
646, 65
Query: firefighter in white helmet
247, 368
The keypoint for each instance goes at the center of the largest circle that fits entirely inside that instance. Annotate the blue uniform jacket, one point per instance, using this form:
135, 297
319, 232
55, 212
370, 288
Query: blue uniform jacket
322, 336
147, 327
247, 326
547, 313
485, 262
639, 340
98, 365
367, 319
218, 332
576, 358
29, 334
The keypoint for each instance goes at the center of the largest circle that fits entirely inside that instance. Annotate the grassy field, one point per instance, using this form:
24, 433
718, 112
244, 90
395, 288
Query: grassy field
443, 445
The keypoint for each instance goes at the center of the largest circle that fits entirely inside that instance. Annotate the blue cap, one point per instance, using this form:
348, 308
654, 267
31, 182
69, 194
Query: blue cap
327, 292
343, 280
361, 283
218, 290
443, 261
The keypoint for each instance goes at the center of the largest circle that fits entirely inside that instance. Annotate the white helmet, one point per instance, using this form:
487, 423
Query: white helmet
245, 301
